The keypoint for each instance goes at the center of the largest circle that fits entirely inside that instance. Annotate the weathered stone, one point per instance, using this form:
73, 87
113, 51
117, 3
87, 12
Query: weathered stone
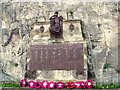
103, 39
110, 76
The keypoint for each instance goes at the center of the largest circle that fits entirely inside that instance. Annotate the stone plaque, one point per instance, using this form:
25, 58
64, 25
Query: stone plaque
57, 57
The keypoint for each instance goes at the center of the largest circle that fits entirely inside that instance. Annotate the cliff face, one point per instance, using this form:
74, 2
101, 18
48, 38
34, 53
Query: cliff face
99, 25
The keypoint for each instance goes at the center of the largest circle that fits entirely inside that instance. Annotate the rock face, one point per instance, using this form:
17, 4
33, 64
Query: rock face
99, 25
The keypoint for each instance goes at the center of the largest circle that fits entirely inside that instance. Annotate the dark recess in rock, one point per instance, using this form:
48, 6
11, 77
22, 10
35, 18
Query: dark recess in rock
30, 74
8, 41
83, 29
16, 64
99, 24
91, 74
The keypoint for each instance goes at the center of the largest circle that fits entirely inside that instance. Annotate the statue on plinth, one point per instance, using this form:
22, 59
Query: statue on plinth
56, 27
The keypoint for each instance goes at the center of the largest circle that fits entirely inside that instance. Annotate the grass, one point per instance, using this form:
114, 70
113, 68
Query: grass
112, 86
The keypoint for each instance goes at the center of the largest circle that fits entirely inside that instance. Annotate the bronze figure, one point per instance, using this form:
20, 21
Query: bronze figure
56, 26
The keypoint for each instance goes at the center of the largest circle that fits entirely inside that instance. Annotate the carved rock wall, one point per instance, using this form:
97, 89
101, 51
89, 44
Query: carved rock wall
99, 25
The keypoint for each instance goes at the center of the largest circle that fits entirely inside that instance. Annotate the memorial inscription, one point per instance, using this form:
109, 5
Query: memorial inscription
57, 57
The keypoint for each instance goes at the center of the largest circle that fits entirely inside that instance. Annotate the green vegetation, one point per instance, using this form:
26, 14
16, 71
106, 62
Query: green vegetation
106, 65
10, 85
112, 86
